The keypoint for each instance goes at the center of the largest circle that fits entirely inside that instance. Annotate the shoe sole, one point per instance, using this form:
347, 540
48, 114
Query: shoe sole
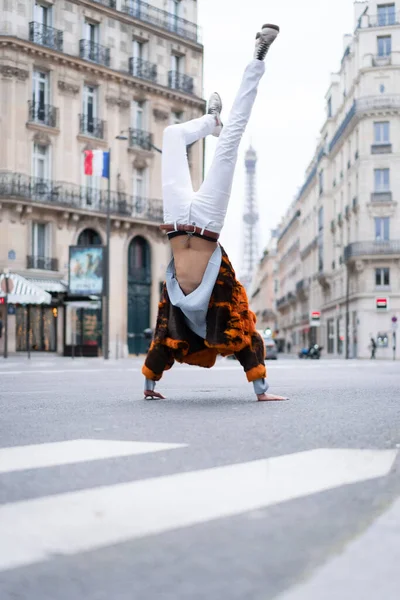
269, 26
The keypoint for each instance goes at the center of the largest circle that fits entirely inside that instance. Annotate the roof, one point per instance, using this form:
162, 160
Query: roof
50, 285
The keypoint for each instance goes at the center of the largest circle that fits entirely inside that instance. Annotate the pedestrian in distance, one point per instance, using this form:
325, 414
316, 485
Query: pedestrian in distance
373, 348
204, 309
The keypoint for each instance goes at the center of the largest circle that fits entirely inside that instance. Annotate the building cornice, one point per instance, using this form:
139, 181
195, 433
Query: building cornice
107, 74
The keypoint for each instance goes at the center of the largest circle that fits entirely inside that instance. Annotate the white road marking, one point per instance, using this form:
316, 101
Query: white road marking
74, 371
34, 530
21, 458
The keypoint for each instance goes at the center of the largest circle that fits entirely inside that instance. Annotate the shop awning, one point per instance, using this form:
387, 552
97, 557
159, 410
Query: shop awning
54, 286
24, 291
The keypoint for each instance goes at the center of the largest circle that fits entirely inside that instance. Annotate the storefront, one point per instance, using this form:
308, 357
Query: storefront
82, 328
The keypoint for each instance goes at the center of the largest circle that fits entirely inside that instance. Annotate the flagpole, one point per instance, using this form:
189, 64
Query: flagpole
107, 278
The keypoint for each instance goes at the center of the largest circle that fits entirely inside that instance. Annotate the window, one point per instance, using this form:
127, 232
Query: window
40, 95
40, 240
91, 32
41, 162
42, 14
329, 107
176, 63
382, 132
139, 50
382, 229
385, 45
386, 14
382, 277
139, 185
321, 182
138, 115
382, 180
89, 237
90, 107
174, 7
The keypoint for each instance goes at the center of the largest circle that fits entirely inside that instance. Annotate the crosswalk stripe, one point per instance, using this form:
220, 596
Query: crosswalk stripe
37, 456
34, 530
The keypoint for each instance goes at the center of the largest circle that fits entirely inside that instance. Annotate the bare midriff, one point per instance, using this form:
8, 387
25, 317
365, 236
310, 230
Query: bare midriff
191, 257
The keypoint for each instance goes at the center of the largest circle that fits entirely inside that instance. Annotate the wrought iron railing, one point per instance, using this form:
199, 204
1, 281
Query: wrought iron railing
94, 52
381, 197
108, 3
143, 69
384, 19
46, 36
161, 18
141, 139
91, 126
371, 249
42, 262
45, 114
59, 193
180, 81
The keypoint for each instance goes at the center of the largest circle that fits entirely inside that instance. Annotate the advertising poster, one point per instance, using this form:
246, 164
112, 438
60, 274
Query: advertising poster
86, 269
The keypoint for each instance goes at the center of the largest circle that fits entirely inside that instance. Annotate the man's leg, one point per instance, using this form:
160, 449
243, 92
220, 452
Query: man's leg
176, 180
210, 203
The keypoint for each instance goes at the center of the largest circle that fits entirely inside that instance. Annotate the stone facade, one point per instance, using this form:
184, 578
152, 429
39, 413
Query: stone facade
339, 244
74, 75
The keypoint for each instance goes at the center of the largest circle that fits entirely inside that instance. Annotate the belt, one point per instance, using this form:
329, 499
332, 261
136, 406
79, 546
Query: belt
190, 229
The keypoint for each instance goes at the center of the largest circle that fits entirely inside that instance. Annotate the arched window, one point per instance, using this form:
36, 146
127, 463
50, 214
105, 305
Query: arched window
139, 261
89, 237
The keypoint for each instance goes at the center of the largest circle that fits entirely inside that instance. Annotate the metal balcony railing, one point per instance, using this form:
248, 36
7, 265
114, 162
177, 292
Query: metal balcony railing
108, 3
381, 197
42, 262
44, 114
91, 126
181, 82
94, 52
384, 19
46, 36
143, 69
45, 191
161, 18
140, 139
374, 248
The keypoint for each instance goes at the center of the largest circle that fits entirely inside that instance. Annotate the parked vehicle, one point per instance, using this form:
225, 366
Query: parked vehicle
313, 352
271, 349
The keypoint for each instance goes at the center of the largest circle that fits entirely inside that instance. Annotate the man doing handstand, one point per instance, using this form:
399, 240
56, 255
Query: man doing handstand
204, 310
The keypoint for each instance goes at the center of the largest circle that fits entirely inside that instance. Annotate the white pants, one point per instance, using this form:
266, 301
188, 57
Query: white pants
207, 207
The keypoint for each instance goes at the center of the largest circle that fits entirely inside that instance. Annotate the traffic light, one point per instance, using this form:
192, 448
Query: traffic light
2, 300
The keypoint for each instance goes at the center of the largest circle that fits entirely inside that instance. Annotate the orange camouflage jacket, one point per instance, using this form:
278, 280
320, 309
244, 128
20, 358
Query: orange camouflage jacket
230, 330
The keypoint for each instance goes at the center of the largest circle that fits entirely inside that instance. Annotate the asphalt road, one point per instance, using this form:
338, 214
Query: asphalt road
246, 500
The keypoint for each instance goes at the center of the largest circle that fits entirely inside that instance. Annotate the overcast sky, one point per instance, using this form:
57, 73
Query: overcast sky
290, 107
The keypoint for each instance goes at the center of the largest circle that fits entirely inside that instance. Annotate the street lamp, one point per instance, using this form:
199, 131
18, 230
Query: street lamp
123, 138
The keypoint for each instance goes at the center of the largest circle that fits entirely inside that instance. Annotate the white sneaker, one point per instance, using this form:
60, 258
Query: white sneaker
264, 39
214, 109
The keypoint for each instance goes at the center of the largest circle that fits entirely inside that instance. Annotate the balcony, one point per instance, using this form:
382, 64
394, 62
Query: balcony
374, 248
340, 220
43, 114
333, 226
91, 126
378, 102
143, 69
46, 36
386, 19
380, 197
94, 52
42, 262
302, 287
140, 139
281, 302
381, 61
181, 82
161, 18
381, 149
354, 204
18, 186
107, 3
347, 213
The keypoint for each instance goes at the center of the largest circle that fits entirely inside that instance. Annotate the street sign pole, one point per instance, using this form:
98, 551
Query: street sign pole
107, 278
6, 318
394, 328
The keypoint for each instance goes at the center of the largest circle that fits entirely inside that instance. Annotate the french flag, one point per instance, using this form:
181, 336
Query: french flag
97, 163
